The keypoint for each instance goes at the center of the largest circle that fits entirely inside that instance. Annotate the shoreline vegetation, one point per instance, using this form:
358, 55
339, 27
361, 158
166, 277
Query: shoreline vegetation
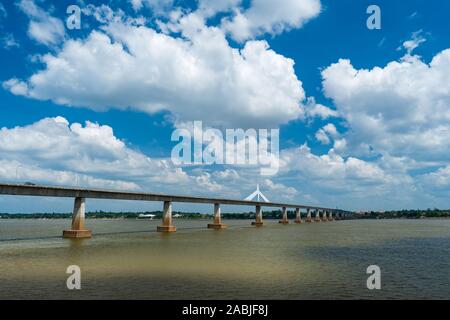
276, 214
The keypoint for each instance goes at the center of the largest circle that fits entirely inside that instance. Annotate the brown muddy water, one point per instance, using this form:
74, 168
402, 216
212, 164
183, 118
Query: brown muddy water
127, 259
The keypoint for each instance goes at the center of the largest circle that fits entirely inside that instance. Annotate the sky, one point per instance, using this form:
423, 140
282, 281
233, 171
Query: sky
363, 114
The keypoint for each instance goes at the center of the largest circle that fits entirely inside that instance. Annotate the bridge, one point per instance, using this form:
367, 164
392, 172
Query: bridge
80, 195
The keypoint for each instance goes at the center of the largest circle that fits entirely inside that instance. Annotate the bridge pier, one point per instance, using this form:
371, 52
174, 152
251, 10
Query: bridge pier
167, 225
324, 216
308, 215
298, 216
330, 215
258, 217
317, 218
78, 216
217, 224
284, 219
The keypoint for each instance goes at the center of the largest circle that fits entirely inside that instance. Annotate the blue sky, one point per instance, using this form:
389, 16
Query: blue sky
364, 115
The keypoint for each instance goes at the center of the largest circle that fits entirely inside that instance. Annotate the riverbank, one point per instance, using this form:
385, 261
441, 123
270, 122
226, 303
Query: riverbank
275, 214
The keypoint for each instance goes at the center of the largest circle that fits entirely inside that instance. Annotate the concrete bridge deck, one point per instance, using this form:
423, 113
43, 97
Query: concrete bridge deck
70, 192
81, 194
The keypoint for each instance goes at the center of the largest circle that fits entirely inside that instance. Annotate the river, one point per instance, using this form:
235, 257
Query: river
127, 259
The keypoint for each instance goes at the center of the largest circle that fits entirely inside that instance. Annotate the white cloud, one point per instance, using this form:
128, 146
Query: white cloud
196, 77
353, 183
399, 113
271, 17
106, 15
400, 110
209, 8
322, 137
328, 133
439, 179
16, 171
3, 12
8, 41
102, 13
331, 130
16, 87
415, 42
157, 6
42, 27
136, 4
284, 192
331, 167
52, 145
413, 15
53, 151
313, 109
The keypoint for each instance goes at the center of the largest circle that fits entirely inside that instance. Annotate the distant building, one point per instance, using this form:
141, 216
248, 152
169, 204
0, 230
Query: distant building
177, 215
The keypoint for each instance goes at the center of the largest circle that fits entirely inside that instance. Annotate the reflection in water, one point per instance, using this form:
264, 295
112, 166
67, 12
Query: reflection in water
127, 259
75, 250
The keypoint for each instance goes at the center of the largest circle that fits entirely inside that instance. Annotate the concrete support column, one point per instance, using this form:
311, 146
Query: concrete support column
330, 215
258, 217
217, 224
298, 216
284, 219
308, 215
78, 216
324, 216
167, 219
317, 219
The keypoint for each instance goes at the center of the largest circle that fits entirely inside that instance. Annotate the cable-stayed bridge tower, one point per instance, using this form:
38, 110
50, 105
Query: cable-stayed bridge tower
258, 194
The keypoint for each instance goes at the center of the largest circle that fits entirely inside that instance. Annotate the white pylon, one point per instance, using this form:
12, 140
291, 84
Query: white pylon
257, 194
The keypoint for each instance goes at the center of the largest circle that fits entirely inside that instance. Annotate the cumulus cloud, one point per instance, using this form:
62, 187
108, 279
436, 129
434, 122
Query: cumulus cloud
437, 180
400, 110
313, 110
104, 14
272, 17
397, 115
331, 167
210, 8
349, 182
53, 151
16, 87
158, 7
285, 192
322, 137
195, 77
43, 27
17, 171
325, 134
53, 146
